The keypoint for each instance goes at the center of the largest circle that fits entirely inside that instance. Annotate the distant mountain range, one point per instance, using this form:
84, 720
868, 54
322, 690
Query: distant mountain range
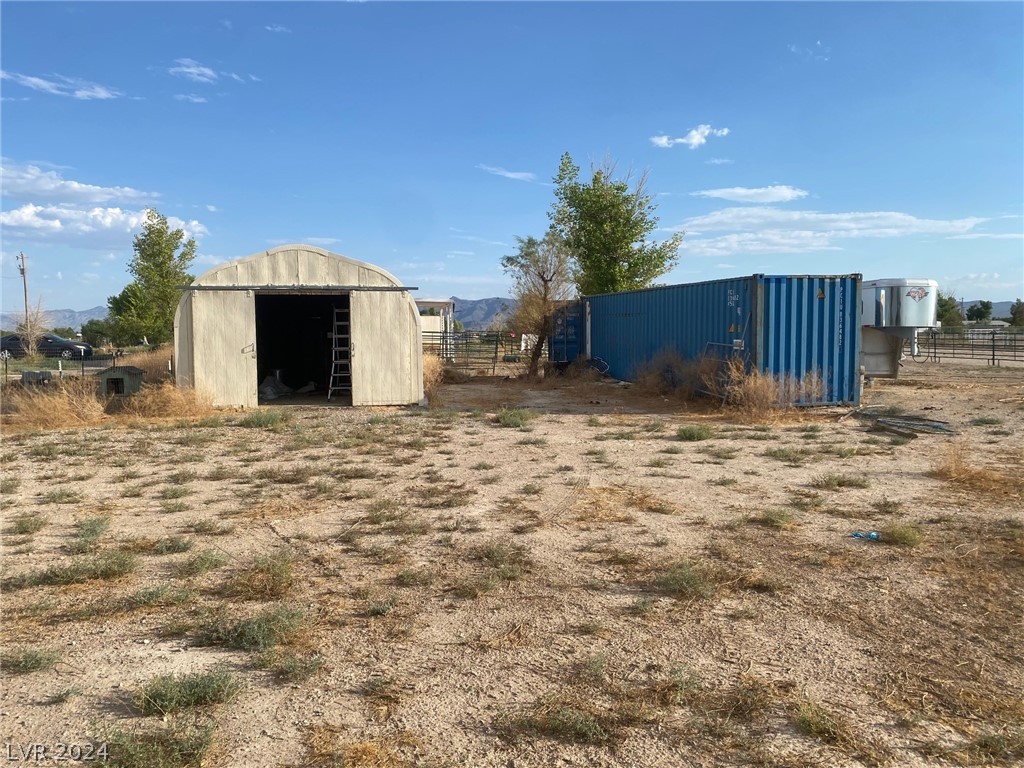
56, 318
481, 314
999, 308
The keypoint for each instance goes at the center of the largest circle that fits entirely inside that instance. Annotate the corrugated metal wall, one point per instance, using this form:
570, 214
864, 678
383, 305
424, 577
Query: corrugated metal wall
566, 341
794, 327
628, 330
810, 324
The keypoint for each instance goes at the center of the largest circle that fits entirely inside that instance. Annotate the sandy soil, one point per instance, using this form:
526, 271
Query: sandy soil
589, 590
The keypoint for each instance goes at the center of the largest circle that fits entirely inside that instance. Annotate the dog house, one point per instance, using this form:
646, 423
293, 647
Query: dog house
317, 322
120, 380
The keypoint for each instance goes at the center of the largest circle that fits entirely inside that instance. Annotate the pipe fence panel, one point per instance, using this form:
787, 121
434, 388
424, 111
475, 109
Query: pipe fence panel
992, 346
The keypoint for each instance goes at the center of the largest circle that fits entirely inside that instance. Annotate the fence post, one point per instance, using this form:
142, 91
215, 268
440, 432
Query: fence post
993, 347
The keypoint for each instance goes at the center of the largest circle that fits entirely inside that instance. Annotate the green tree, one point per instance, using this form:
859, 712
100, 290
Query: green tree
145, 308
980, 312
948, 311
542, 279
99, 333
64, 331
606, 226
1017, 313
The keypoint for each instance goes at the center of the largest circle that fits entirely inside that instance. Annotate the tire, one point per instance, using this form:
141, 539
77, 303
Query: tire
67, 354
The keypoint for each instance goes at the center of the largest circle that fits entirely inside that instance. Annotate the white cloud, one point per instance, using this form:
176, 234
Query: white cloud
60, 275
321, 240
980, 283
276, 28
255, 79
83, 227
718, 161
227, 24
210, 259
726, 266
191, 98
30, 182
234, 76
212, 208
516, 175
816, 52
777, 193
774, 230
74, 87
988, 236
485, 241
450, 254
695, 138
192, 70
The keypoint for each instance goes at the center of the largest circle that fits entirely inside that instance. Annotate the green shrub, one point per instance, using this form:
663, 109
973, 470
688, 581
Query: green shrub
694, 433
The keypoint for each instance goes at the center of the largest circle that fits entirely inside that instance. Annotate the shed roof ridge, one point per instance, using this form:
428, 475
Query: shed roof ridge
296, 247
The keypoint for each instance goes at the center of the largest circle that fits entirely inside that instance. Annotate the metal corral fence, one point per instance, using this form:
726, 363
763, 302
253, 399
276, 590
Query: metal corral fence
468, 351
992, 346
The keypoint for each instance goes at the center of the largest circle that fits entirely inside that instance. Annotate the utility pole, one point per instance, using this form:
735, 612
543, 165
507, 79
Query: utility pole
24, 281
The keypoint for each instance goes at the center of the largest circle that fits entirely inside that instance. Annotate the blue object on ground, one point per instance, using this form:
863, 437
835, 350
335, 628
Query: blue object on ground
871, 535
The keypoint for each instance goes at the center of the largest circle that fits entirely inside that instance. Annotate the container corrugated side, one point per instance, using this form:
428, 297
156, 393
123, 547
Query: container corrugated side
629, 330
809, 327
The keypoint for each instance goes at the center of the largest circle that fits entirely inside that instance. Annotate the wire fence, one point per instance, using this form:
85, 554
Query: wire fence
56, 367
993, 346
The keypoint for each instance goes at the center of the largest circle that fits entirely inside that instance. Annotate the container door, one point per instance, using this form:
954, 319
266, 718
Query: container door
225, 346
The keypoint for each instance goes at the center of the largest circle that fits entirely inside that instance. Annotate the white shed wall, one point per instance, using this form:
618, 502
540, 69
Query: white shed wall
387, 353
215, 330
224, 346
183, 342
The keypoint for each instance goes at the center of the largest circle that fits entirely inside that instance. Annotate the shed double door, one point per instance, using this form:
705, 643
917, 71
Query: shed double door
225, 350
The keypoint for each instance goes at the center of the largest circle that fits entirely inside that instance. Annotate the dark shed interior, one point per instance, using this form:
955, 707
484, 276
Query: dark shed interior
293, 336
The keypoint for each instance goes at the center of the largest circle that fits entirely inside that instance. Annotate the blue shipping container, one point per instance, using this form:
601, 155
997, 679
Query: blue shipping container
793, 327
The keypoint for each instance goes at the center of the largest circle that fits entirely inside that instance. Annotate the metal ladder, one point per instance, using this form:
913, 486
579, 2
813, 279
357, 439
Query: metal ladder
341, 354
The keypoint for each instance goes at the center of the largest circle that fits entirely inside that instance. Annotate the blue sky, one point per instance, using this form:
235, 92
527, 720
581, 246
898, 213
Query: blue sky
885, 139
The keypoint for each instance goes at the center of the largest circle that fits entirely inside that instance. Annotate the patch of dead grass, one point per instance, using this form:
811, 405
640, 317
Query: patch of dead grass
958, 464
72, 402
433, 378
165, 400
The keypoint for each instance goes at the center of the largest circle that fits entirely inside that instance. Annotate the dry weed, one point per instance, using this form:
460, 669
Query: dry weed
669, 375
72, 402
433, 377
165, 401
155, 363
957, 465
326, 745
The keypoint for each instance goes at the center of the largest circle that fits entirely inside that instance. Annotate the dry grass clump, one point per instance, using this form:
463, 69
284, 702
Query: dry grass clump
756, 396
165, 400
327, 745
154, 363
433, 378
669, 375
72, 402
956, 464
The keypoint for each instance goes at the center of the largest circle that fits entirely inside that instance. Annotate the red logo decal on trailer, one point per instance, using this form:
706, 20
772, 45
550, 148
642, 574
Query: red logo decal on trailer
917, 293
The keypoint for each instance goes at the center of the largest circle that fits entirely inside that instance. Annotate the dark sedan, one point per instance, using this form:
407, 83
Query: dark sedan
48, 345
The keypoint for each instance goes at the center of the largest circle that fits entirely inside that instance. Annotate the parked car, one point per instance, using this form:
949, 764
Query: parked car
48, 345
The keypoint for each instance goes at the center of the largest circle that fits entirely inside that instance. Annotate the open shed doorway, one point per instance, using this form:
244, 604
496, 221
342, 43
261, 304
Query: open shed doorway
294, 341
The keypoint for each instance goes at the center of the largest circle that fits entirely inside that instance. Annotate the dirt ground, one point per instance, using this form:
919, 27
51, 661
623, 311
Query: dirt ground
590, 588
